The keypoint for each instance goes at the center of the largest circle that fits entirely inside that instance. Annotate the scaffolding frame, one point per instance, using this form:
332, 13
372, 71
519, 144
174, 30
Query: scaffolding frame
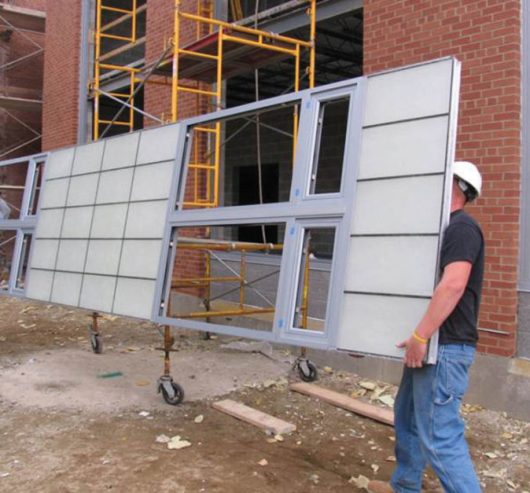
24, 22
222, 34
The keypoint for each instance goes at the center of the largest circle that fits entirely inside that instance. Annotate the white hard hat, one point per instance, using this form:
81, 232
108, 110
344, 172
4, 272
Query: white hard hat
470, 175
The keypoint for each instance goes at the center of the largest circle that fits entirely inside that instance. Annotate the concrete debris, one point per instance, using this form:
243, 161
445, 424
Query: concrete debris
162, 439
314, 478
263, 462
280, 382
386, 399
177, 443
358, 393
360, 481
328, 370
199, 419
367, 385
500, 474
144, 414
375, 468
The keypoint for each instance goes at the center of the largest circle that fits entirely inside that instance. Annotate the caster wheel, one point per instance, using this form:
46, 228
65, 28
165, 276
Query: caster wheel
178, 393
307, 371
95, 342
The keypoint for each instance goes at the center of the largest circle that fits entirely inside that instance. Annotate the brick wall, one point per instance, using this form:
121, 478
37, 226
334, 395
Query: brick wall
61, 74
485, 36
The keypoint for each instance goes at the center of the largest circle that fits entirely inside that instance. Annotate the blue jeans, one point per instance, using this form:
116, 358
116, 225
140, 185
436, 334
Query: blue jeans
429, 429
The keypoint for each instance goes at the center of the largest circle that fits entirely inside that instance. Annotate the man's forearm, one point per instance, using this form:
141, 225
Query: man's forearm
443, 302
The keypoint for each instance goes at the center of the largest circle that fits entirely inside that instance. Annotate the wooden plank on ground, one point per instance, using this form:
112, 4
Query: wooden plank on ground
254, 417
340, 400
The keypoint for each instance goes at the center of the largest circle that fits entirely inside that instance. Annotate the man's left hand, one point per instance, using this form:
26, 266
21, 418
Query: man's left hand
414, 352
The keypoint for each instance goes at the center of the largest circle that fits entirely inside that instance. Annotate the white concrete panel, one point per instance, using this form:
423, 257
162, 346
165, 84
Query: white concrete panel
134, 298
54, 193
395, 265
140, 258
49, 223
405, 148
375, 324
44, 253
109, 221
72, 255
88, 158
152, 182
158, 144
97, 293
39, 284
146, 219
403, 205
59, 163
66, 288
103, 257
77, 222
115, 186
120, 151
83, 190
413, 92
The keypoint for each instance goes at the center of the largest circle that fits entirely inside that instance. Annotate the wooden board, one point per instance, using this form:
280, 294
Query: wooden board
254, 417
335, 398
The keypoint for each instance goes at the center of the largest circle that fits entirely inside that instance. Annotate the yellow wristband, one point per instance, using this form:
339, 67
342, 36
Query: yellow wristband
419, 338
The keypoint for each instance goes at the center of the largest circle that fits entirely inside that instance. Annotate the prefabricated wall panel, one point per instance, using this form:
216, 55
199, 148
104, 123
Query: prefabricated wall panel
103, 235
101, 221
401, 205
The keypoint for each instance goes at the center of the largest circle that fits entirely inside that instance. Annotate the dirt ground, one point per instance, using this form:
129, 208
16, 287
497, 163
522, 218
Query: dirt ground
73, 421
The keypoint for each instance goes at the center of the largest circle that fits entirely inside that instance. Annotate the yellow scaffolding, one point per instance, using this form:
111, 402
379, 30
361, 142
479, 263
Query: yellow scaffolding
207, 60
210, 50
100, 65
215, 41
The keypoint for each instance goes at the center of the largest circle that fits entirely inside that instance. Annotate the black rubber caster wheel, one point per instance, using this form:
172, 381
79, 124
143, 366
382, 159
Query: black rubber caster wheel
96, 343
178, 396
307, 371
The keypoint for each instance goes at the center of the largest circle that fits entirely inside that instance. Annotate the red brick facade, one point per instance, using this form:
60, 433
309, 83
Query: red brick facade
485, 36
61, 69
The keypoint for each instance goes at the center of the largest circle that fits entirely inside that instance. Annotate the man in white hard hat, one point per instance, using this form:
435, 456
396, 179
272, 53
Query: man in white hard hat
429, 429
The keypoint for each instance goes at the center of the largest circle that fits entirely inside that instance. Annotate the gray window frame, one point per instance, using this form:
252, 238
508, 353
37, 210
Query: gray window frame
301, 210
25, 223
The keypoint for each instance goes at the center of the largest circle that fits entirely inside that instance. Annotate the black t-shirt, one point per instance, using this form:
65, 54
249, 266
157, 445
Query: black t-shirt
463, 241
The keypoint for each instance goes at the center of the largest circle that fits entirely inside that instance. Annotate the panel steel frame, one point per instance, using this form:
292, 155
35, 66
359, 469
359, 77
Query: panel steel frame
303, 210
25, 223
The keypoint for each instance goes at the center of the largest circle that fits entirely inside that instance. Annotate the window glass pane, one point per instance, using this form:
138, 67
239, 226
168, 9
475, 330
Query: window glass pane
7, 248
216, 278
314, 278
241, 161
329, 146
24, 262
12, 184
